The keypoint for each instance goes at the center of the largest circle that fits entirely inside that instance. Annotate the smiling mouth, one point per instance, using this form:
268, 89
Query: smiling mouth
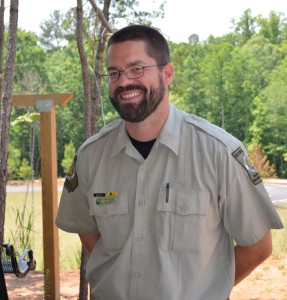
130, 95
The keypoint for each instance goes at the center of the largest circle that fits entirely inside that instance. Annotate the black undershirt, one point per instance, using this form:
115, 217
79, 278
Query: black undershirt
143, 147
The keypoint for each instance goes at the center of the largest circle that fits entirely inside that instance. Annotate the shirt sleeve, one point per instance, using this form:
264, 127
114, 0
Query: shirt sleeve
246, 208
73, 213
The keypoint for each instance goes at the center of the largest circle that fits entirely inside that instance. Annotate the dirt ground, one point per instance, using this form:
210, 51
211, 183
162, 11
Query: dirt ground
267, 282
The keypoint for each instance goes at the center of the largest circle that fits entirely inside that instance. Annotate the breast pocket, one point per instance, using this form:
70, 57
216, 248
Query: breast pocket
112, 220
180, 222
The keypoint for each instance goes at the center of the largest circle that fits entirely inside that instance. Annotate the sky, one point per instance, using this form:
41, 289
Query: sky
182, 17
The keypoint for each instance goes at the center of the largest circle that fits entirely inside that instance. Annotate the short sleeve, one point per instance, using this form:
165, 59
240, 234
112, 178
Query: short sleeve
73, 212
246, 208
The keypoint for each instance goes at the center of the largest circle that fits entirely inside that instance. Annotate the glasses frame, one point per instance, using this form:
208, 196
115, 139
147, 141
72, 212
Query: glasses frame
107, 77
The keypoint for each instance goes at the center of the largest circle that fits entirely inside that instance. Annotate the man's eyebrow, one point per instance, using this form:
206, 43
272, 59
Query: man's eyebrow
111, 68
137, 62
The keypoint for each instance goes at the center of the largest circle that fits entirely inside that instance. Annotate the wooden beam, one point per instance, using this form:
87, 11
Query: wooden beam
50, 204
46, 104
30, 100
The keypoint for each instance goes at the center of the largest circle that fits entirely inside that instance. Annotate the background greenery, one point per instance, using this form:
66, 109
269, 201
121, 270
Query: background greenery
237, 81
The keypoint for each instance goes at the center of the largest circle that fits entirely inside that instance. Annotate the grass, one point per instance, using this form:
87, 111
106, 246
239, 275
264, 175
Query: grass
279, 237
69, 244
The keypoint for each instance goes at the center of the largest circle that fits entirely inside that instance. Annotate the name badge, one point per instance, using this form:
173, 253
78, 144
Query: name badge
105, 198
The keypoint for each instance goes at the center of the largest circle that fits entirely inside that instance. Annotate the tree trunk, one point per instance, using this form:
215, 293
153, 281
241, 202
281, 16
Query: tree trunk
91, 100
6, 101
85, 69
98, 67
83, 292
2, 29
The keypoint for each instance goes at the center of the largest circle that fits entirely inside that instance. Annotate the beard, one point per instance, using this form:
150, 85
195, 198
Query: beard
137, 112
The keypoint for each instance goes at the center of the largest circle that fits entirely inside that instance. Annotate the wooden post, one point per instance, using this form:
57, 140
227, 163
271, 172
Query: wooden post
46, 104
49, 200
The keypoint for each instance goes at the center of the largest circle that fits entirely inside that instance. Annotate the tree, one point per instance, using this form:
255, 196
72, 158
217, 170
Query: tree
53, 33
69, 155
2, 32
271, 28
245, 28
214, 65
259, 159
6, 104
276, 103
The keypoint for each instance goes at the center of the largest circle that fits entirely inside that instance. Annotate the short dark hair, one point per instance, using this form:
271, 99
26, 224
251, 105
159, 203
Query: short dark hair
156, 45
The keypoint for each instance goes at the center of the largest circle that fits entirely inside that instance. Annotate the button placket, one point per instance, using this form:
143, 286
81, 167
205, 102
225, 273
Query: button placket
138, 248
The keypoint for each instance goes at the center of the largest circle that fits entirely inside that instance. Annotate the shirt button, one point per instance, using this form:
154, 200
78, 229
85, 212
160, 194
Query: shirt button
143, 167
105, 210
137, 274
141, 202
182, 207
140, 238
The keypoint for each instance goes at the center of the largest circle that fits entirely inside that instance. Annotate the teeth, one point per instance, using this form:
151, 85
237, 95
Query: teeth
127, 96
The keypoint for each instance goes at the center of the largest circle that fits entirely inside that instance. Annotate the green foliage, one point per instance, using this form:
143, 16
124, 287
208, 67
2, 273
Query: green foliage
279, 237
28, 117
30, 67
69, 155
23, 133
24, 169
69, 244
13, 162
22, 234
237, 81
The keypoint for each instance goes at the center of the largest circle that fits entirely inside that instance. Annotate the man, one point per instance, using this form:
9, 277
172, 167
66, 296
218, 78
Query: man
159, 197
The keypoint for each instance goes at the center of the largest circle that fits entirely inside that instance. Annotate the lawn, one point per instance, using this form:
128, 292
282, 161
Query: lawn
69, 244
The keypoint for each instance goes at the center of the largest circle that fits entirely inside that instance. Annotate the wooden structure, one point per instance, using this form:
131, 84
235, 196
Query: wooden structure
46, 103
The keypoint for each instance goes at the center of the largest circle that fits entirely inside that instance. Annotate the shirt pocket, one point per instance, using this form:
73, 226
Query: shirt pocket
112, 220
180, 222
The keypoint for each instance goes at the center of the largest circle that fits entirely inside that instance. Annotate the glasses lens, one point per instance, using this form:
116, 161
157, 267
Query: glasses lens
133, 72
113, 75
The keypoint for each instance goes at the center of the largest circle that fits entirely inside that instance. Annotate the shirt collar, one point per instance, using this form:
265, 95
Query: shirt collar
170, 133
121, 139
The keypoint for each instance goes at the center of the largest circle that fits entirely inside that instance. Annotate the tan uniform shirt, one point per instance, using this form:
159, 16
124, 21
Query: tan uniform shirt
167, 223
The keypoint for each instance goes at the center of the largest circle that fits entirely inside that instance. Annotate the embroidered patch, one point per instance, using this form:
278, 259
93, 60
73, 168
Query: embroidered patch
101, 201
71, 181
242, 158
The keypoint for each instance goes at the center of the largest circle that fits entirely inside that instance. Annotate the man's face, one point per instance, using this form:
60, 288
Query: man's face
135, 99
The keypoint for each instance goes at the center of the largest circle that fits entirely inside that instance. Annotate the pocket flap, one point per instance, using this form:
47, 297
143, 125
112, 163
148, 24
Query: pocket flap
185, 203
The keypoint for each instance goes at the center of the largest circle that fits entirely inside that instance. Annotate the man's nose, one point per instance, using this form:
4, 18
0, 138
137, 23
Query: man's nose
123, 76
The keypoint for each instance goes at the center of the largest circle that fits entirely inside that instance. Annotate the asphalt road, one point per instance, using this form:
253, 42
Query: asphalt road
277, 192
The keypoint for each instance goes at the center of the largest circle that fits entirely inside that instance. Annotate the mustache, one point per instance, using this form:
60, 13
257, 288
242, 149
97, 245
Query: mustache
129, 87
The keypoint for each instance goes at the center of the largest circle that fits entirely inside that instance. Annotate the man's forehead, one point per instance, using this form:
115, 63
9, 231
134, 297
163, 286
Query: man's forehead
128, 53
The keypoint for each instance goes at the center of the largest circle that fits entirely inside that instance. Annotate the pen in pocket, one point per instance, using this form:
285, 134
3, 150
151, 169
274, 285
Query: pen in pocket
167, 192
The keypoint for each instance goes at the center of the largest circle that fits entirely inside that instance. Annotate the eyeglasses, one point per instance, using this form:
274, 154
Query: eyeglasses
132, 72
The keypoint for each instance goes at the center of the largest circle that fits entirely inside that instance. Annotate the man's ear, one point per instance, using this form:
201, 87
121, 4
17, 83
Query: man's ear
168, 72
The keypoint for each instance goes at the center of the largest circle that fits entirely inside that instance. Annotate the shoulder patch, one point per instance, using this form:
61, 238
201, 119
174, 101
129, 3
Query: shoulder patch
242, 158
71, 181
